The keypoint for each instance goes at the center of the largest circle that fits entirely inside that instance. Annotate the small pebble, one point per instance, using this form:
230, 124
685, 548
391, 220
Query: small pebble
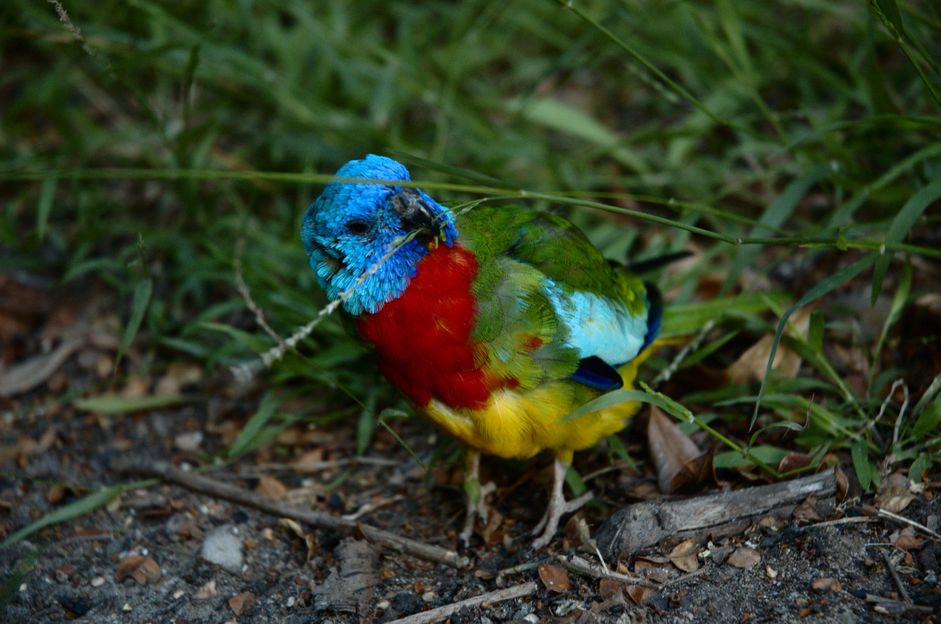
383, 605
126, 608
98, 581
222, 547
291, 601
178, 594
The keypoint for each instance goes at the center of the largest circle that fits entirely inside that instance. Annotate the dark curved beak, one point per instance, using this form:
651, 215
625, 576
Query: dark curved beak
415, 212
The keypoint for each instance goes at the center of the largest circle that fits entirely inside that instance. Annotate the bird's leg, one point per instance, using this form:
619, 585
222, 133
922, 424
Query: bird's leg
476, 496
557, 506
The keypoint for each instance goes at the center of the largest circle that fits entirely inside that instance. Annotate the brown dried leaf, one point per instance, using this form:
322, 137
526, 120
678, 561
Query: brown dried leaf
895, 493
751, 365
670, 448
842, 484
491, 533
907, 540
744, 558
177, 376
144, 570
311, 460
685, 556
242, 603
271, 487
611, 589
640, 595
826, 584
555, 578
807, 512
695, 472
576, 534
793, 461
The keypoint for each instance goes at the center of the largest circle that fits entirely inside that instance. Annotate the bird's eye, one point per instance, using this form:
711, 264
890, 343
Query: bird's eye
357, 226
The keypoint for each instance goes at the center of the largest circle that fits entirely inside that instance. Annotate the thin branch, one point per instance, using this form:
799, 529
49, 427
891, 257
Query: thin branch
904, 520
895, 577
443, 613
386, 539
583, 566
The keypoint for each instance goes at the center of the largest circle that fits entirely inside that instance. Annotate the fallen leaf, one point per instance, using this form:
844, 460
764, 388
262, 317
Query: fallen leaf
826, 584
611, 589
907, 540
495, 530
697, 471
242, 603
177, 376
793, 461
576, 534
555, 578
308, 538
744, 558
895, 493
685, 556
271, 487
144, 570
309, 461
807, 512
842, 484
27, 375
751, 365
670, 448
640, 595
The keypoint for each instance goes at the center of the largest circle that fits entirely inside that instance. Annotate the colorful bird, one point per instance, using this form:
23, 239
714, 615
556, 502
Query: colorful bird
497, 322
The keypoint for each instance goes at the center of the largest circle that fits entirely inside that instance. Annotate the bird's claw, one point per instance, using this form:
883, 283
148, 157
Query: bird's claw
479, 509
557, 508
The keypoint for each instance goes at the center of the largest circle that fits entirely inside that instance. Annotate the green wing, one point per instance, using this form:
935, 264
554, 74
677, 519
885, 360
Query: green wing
519, 326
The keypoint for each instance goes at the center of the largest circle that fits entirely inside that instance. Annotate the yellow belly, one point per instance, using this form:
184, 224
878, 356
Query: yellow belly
519, 424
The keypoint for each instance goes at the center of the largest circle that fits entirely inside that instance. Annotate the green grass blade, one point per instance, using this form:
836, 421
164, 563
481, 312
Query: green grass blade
834, 281
142, 293
776, 214
248, 437
43, 208
117, 404
87, 504
901, 224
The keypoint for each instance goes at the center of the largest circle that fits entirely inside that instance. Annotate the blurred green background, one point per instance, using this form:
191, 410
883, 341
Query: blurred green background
141, 141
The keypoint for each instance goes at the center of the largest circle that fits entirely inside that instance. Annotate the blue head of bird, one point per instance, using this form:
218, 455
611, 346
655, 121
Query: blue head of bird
364, 240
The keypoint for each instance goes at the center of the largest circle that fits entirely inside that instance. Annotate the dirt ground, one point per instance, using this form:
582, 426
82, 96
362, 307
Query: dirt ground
142, 557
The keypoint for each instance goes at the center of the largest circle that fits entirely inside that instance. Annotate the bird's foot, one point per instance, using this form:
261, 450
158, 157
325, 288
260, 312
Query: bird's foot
550, 520
557, 507
477, 507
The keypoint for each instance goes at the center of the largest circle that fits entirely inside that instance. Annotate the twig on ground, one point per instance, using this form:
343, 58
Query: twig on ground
847, 520
300, 468
371, 507
903, 519
895, 577
443, 613
583, 566
520, 567
212, 487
